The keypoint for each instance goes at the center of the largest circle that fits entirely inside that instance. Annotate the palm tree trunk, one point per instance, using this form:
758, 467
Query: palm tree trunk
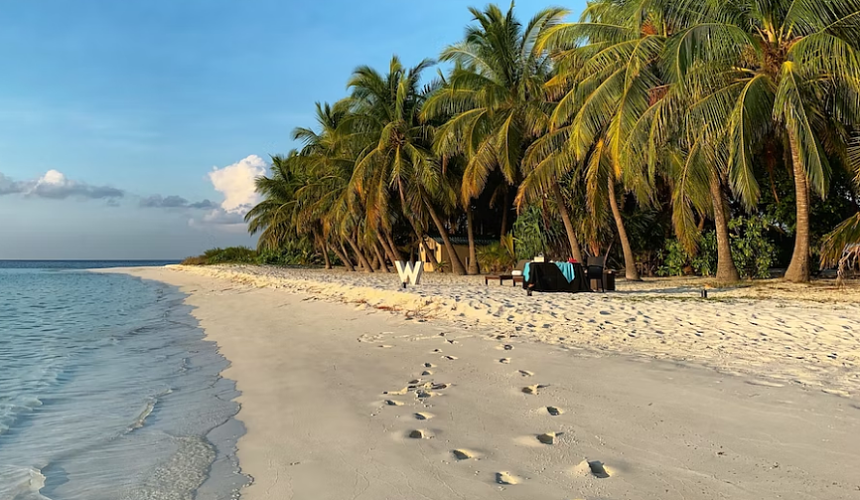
505, 209
365, 263
345, 257
726, 270
386, 250
320, 241
798, 269
630, 271
456, 264
568, 225
473, 253
394, 251
325, 255
380, 258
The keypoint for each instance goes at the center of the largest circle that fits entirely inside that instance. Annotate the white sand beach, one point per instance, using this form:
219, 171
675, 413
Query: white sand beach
353, 388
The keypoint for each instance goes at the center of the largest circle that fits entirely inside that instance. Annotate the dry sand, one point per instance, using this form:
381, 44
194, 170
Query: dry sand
348, 402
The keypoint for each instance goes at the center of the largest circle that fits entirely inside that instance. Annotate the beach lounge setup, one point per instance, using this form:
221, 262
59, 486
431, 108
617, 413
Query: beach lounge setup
555, 277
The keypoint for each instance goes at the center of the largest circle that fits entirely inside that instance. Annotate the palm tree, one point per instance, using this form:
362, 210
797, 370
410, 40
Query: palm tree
608, 79
398, 157
493, 100
784, 68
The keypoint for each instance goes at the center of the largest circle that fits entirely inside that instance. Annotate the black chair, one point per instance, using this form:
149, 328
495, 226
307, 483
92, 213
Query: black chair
594, 272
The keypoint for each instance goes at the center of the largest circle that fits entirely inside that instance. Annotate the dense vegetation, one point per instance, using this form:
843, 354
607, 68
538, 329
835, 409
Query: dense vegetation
296, 252
675, 136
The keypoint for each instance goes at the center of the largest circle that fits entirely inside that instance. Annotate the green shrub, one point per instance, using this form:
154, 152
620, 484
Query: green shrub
704, 263
298, 252
675, 259
497, 257
752, 250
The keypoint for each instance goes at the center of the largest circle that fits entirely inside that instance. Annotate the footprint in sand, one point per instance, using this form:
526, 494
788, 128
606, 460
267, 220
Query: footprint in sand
505, 361
526, 373
439, 387
554, 410
423, 416
386, 346
463, 454
429, 365
426, 373
401, 392
533, 389
450, 358
422, 394
548, 437
437, 350
419, 434
594, 468
506, 478
391, 402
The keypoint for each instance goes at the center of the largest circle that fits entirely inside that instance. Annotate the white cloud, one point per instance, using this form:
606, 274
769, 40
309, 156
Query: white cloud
236, 183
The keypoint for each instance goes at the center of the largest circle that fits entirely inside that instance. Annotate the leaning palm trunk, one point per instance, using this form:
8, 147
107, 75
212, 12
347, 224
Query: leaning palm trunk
342, 255
473, 254
798, 269
394, 251
362, 259
387, 251
568, 225
506, 207
456, 264
726, 270
320, 242
630, 271
380, 257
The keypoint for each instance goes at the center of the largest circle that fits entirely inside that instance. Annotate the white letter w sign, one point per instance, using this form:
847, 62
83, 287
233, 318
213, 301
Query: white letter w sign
409, 272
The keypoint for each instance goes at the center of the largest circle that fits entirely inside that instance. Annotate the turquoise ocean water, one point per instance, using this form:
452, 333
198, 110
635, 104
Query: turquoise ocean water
108, 390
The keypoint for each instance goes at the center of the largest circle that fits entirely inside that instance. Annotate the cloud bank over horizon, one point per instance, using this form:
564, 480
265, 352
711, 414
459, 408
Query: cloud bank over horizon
55, 185
235, 182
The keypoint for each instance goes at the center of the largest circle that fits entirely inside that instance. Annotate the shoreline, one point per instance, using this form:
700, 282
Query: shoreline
331, 411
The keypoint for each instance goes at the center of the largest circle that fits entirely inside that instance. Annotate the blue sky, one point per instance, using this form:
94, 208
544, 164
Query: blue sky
115, 115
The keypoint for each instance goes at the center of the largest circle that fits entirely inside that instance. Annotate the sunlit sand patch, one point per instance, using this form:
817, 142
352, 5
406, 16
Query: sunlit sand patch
506, 478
